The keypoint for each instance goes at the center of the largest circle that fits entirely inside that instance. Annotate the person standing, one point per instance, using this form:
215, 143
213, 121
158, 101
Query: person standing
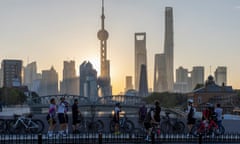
75, 114
51, 117
66, 115
157, 112
142, 113
190, 115
116, 117
218, 110
61, 116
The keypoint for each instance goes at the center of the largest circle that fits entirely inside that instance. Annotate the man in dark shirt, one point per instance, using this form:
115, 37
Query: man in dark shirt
75, 113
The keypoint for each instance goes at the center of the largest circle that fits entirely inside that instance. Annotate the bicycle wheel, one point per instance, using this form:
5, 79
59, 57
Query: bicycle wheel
36, 126
194, 131
179, 127
14, 128
128, 126
99, 125
2, 126
112, 126
166, 127
139, 132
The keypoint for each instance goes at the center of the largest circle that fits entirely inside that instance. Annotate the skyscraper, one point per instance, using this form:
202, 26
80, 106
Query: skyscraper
129, 84
69, 84
49, 82
182, 81
168, 47
30, 75
88, 81
160, 78
221, 75
197, 76
143, 83
12, 73
104, 79
140, 56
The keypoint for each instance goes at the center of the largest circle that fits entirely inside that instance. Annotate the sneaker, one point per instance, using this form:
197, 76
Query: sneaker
148, 139
50, 135
117, 133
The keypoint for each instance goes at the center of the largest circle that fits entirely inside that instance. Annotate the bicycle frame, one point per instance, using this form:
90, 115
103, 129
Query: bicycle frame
25, 122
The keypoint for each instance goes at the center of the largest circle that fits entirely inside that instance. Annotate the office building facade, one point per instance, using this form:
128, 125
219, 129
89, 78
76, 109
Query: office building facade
140, 56
11, 73
221, 75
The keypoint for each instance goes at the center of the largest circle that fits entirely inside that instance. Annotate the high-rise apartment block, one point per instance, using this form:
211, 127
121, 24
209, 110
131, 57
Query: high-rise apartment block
221, 75
88, 86
11, 73
140, 56
129, 84
49, 82
197, 76
69, 84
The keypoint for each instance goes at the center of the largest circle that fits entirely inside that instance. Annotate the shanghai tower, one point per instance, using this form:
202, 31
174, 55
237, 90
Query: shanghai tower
168, 47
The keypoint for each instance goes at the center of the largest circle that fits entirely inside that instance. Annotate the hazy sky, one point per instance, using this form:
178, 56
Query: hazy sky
206, 33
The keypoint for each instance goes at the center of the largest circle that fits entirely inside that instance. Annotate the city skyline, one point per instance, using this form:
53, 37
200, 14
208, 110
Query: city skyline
49, 32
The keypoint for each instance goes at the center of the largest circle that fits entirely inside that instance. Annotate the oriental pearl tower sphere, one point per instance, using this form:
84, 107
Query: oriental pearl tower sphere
103, 36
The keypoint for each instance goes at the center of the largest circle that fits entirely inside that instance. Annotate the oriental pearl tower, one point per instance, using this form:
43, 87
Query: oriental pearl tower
104, 81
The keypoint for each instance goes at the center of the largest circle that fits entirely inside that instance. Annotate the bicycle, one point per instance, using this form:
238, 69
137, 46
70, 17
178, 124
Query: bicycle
125, 125
90, 125
3, 126
207, 128
171, 125
22, 123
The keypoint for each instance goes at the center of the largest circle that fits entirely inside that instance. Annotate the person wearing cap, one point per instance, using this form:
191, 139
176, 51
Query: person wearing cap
190, 115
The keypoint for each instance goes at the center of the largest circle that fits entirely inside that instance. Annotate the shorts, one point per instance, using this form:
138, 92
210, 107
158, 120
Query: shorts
52, 121
147, 125
191, 121
61, 118
75, 121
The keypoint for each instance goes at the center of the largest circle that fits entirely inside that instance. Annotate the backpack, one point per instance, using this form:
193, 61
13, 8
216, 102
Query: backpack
191, 113
148, 117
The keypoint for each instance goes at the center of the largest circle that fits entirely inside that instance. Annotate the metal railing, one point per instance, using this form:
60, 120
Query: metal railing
109, 138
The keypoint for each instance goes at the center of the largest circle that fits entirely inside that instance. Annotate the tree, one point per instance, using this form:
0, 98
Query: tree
12, 96
167, 99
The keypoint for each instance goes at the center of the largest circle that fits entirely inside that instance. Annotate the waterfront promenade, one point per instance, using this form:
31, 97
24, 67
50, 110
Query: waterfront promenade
230, 122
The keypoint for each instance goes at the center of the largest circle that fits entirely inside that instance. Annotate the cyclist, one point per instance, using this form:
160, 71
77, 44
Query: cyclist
142, 113
66, 115
116, 117
51, 117
218, 110
157, 112
75, 113
62, 117
153, 117
190, 115
148, 123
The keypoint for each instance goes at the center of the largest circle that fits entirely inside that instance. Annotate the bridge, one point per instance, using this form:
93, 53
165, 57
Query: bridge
130, 104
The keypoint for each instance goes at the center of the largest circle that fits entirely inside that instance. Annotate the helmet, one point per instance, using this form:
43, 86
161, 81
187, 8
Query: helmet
117, 104
209, 105
190, 100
